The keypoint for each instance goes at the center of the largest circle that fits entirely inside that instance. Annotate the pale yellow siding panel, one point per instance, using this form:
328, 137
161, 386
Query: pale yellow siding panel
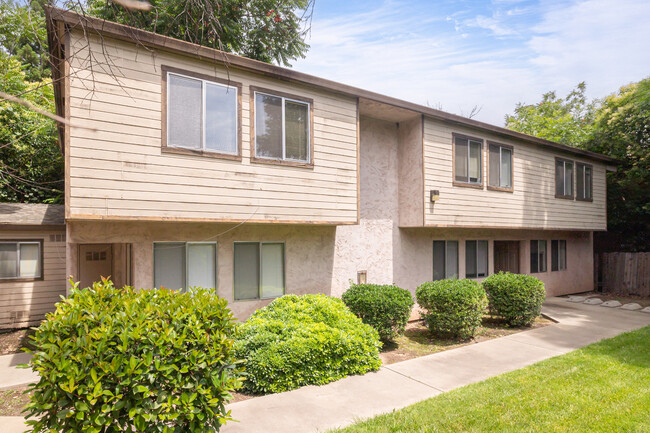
532, 204
118, 169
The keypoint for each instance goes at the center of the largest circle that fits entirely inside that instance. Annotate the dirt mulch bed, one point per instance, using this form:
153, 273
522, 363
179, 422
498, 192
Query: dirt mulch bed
14, 340
12, 401
418, 341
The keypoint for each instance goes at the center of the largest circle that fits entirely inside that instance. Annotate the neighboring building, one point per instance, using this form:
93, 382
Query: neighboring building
32, 262
210, 169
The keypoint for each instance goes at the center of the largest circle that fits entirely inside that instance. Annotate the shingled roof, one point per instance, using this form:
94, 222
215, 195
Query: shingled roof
32, 214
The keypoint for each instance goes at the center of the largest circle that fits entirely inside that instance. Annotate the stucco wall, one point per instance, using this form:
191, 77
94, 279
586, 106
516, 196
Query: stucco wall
309, 251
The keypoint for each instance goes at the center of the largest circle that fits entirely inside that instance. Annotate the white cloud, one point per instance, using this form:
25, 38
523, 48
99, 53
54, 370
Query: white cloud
423, 58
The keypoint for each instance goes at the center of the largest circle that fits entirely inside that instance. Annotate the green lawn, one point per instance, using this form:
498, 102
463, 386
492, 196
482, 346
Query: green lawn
604, 387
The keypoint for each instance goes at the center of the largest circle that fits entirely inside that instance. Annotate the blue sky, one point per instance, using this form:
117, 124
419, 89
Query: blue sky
457, 54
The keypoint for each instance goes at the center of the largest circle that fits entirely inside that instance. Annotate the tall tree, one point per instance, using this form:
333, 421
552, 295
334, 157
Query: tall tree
567, 120
23, 36
31, 165
622, 130
265, 30
617, 126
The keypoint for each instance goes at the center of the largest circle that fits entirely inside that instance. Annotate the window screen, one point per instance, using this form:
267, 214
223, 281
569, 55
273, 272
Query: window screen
538, 256
201, 261
268, 126
558, 255
476, 259
184, 110
20, 259
462, 158
583, 182
259, 270
445, 260
467, 160
169, 265
296, 130
272, 272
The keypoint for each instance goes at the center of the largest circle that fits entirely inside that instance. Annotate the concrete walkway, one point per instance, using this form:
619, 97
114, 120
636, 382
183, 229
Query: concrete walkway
316, 409
10, 376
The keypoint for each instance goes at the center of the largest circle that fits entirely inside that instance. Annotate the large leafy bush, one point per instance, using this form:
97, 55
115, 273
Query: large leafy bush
517, 298
114, 360
452, 308
303, 340
385, 308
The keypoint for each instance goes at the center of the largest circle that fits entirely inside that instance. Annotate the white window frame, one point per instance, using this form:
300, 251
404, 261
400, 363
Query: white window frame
259, 267
203, 113
40, 259
284, 141
185, 245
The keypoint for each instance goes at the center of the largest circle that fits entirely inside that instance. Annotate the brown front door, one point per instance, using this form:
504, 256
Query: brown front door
506, 256
95, 261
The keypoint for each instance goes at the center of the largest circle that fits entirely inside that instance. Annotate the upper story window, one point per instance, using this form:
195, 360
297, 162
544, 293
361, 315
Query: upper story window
282, 127
202, 114
563, 178
445, 260
20, 259
584, 182
468, 160
500, 167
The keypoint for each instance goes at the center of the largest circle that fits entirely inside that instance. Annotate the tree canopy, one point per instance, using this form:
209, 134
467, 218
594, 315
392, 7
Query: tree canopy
31, 164
566, 120
617, 126
265, 30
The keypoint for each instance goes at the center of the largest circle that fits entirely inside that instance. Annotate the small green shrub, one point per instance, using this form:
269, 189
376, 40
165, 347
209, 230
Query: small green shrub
385, 308
517, 298
304, 340
114, 359
453, 308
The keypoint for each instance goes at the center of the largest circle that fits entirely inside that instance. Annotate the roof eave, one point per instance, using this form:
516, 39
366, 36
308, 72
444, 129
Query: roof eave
131, 34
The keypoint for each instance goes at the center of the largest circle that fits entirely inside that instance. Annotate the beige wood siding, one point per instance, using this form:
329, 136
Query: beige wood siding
532, 204
119, 170
24, 303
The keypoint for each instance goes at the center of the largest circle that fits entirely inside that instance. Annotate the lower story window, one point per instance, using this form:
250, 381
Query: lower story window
558, 255
445, 260
476, 259
259, 270
537, 256
179, 265
20, 259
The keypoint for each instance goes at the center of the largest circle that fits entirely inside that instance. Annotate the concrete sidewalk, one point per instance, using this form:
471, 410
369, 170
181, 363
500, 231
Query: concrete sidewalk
10, 375
316, 409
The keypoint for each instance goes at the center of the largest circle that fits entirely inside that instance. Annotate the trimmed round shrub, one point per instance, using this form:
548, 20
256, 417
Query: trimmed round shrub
516, 298
304, 340
385, 308
114, 359
452, 308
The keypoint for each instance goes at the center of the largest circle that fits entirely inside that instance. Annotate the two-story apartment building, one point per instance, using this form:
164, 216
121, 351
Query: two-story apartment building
186, 166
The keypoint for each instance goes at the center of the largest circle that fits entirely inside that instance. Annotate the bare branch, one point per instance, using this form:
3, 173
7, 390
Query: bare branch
40, 111
134, 4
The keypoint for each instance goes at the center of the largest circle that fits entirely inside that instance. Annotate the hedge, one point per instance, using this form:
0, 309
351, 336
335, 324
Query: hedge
386, 308
304, 340
114, 359
517, 298
452, 308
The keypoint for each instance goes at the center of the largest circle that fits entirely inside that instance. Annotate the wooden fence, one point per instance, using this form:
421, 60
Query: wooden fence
623, 273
